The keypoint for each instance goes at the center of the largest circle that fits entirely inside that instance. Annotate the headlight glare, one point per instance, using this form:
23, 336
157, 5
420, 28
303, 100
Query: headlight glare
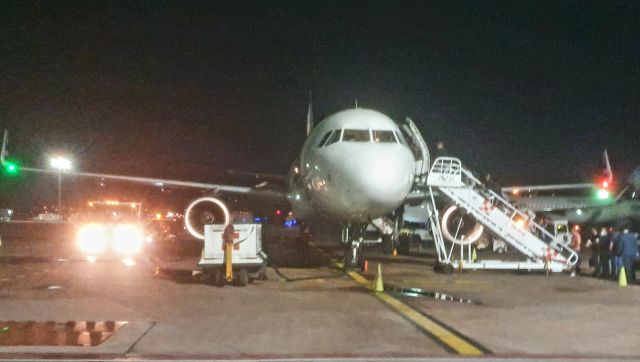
127, 240
92, 239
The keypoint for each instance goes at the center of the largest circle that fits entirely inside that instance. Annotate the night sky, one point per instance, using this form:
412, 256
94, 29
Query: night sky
531, 92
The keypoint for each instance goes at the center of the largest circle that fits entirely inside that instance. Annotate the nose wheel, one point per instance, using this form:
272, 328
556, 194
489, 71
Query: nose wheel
353, 255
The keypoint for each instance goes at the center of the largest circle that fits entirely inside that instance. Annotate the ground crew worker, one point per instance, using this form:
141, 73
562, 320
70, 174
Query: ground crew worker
576, 243
616, 253
594, 245
603, 269
629, 245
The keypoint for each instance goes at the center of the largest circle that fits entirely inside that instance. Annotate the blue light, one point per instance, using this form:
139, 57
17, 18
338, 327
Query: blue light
290, 223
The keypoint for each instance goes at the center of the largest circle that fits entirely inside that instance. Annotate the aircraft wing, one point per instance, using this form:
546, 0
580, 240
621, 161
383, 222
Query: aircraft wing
168, 182
531, 188
258, 189
260, 176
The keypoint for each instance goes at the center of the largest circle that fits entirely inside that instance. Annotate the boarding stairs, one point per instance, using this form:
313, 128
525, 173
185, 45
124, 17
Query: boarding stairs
542, 249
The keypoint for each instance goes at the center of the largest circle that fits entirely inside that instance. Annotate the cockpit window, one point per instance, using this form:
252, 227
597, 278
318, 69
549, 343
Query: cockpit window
400, 138
324, 138
356, 135
335, 137
384, 137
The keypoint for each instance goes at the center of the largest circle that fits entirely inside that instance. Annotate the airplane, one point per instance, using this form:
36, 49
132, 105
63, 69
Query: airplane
582, 203
356, 167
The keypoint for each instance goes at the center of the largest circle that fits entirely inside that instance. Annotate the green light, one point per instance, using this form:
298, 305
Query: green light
11, 168
603, 194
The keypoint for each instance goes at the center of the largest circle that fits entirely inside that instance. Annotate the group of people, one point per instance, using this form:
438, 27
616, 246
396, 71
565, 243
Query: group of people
611, 251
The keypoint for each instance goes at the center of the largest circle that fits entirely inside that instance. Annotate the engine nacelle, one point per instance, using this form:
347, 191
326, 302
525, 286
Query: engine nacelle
460, 228
203, 211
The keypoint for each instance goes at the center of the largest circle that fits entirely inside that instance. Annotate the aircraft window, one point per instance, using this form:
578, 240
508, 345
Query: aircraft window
384, 137
335, 137
324, 138
356, 135
401, 138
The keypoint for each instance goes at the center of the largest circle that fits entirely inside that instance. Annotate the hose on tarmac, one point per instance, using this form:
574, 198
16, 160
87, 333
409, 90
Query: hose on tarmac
275, 268
421, 293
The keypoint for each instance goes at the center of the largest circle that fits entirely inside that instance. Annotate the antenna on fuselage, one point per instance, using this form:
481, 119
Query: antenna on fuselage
309, 116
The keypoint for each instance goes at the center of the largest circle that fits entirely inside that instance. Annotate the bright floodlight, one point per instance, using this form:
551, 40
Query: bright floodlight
60, 163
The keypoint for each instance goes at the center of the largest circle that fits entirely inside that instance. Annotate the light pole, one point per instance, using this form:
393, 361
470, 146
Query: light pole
61, 164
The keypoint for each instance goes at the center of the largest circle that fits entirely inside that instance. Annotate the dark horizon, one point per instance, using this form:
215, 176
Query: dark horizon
531, 92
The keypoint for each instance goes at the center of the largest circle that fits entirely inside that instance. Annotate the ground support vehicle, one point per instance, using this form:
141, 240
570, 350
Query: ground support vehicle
247, 256
110, 228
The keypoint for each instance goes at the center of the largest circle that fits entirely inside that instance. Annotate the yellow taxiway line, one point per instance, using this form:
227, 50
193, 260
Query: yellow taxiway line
439, 332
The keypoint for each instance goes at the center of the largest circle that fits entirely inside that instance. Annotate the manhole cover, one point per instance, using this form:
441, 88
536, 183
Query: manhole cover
50, 333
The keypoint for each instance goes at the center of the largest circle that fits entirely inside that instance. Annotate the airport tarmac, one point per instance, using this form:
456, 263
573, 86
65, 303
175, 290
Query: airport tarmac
310, 309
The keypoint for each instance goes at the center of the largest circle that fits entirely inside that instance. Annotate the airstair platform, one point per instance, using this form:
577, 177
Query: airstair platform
542, 250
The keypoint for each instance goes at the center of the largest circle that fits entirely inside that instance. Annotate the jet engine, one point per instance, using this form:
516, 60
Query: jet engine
203, 211
459, 227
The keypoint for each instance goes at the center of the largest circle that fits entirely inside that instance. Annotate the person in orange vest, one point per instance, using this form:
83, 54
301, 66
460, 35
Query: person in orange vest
576, 243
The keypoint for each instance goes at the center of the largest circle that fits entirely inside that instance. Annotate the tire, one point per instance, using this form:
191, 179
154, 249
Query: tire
348, 257
387, 245
218, 277
443, 268
404, 244
243, 278
448, 269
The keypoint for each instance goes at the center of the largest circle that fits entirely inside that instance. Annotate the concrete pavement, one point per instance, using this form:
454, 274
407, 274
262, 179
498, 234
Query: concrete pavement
312, 310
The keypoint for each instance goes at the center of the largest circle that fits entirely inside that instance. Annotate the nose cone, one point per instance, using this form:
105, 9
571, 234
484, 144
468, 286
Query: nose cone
383, 176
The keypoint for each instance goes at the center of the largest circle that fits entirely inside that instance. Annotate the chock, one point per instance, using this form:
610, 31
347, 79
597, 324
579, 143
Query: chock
622, 278
378, 285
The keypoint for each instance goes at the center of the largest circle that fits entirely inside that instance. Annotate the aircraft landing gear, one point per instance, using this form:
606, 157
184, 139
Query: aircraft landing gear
353, 256
387, 244
353, 241
389, 228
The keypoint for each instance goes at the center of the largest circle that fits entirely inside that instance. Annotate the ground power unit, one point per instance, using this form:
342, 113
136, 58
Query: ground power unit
247, 257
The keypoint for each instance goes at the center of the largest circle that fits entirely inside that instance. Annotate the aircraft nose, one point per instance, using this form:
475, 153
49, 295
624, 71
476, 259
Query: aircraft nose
385, 177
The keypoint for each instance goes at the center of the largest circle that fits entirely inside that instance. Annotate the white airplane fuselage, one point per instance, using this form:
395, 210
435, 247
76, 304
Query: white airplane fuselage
355, 166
